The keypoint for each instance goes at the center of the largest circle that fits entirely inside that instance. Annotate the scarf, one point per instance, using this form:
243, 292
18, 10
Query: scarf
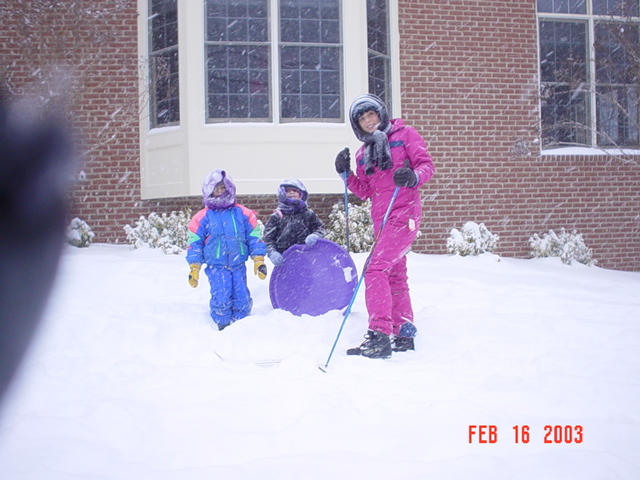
377, 152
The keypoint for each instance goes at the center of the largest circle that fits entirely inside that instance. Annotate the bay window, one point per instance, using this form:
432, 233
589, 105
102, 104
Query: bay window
259, 88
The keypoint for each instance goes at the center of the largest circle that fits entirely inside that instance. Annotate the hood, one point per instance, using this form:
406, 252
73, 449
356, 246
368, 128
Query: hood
362, 104
288, 202
225, 200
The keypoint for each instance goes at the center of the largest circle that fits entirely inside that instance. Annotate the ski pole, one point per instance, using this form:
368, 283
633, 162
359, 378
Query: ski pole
364, 270
346, 211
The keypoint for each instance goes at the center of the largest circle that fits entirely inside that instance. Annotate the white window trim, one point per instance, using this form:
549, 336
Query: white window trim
258, 155
590, 151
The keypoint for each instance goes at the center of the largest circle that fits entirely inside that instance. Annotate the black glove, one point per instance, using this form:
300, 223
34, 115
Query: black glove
405, 176
343, 161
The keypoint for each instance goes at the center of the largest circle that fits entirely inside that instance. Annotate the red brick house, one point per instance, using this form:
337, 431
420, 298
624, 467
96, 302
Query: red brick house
530, 109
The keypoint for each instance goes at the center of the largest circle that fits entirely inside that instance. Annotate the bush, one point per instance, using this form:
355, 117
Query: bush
567, 246
360, 226
474, 239
79, 233
168, 233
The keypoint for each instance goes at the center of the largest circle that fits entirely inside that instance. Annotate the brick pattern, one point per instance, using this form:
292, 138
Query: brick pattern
469, 85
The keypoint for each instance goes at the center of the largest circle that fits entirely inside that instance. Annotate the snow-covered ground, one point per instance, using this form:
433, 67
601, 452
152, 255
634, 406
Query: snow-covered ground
127, 379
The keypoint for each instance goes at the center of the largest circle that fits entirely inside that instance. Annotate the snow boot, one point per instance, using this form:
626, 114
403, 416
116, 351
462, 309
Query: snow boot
375, 345
402, 344
404, 340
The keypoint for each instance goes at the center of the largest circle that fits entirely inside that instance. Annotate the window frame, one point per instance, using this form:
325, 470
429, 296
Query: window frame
338, 46
152, 67
233, 43
591, 20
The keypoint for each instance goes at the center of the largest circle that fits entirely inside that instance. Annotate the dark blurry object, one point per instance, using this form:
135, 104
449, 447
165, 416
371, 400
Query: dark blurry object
35, 162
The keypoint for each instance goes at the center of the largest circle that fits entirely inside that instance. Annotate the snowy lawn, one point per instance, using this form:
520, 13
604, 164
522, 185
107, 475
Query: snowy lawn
128, 379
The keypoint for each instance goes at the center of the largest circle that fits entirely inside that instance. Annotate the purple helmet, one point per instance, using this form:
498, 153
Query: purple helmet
289, 203
227, 199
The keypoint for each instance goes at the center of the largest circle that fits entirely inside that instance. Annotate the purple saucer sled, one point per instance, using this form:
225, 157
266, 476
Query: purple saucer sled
313, 280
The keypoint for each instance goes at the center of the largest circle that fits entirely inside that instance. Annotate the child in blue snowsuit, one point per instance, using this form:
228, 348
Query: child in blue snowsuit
223, 235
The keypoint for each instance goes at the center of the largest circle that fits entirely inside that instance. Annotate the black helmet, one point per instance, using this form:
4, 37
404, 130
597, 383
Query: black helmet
365, 103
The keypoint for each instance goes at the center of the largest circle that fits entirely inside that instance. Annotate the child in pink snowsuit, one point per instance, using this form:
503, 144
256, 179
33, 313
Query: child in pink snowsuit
393, 155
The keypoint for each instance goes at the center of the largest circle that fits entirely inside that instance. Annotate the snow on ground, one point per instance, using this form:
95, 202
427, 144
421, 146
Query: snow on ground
128, 378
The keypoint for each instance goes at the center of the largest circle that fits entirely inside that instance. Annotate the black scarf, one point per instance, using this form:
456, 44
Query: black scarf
377, 152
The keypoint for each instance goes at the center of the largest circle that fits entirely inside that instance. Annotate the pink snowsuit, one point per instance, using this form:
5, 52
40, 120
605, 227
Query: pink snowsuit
387, 292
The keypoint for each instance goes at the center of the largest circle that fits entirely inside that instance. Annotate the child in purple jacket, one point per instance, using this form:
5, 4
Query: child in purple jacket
392, 155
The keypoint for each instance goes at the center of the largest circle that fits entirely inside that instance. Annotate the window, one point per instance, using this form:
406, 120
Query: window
589, 72
378, 46
616, 84
310, 60
563, 72
164, 100
239, 52
237, 60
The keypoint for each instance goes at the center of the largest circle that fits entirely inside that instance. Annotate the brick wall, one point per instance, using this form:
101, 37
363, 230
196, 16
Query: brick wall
469, 84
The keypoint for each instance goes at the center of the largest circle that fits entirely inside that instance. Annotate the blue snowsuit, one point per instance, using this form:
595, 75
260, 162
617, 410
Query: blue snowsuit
224, 239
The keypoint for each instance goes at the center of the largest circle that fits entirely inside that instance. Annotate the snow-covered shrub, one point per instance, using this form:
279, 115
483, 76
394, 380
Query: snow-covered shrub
473, 239
360, 226
79, 233
567, 246
167, 232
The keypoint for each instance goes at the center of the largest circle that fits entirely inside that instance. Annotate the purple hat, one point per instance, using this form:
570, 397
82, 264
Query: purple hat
227, 199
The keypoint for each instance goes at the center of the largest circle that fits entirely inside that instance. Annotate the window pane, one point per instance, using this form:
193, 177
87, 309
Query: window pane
289, 30
379, 67
238, 106
258, 106
564, 115
623, 8
238, 30
616, 48
617, 112
258, 30
310, 82
309, 31
616, 51
331, 106
237, 20
164, 104
303, 72
564, 89
380, 77
290, 106
235, 74
377, 31
310, 59
330, 31
563, 52
562, 6
330, 82
238, 59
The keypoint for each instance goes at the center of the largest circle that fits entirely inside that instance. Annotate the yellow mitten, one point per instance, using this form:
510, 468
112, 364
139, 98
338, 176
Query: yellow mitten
259, 268
194, 273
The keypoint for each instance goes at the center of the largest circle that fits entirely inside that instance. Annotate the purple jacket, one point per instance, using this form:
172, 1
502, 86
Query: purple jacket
405, 143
